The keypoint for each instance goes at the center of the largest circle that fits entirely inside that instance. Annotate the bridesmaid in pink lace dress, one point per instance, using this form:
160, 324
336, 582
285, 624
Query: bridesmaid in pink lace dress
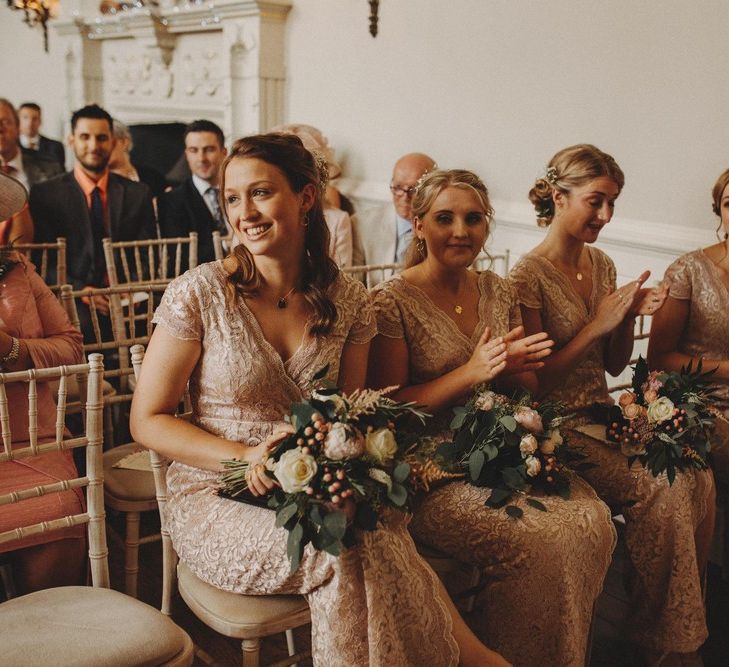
567, 288
444, 329
694, 323
249, 333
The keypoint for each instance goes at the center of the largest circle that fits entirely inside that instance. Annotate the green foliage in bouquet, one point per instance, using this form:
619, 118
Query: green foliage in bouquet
512, 446
664, 422
337, 472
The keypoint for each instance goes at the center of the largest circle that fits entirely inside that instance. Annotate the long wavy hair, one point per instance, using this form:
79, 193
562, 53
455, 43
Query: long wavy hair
300, 168
427, 191
716, 193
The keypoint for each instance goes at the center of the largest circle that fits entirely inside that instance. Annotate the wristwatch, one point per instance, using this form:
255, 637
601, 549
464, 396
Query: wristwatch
12, 356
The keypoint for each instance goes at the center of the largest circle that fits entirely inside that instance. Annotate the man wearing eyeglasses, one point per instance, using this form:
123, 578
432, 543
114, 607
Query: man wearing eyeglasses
383, 234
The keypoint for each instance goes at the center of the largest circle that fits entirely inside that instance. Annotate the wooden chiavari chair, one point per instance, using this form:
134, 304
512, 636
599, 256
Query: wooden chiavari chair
150, 260
77, 625
127, 491
220, 243
50, 261
373, 274
246, 617
498, 263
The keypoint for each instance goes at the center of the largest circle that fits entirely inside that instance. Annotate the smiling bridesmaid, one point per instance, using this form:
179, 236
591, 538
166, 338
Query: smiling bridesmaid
567, 287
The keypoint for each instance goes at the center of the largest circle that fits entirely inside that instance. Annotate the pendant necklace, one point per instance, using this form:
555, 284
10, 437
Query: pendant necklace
283, 301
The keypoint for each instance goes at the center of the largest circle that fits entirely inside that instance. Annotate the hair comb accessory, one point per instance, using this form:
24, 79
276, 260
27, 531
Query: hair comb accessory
322, 168
424, 174
551, 176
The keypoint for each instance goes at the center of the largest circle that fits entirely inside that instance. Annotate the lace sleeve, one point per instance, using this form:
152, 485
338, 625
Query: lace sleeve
514, 310
355, 306
679, 278
524, 279
179, 311
387, 312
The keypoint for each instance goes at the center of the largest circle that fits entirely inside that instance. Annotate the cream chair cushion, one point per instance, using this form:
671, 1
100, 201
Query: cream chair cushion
126, 484
88, 627
240, 616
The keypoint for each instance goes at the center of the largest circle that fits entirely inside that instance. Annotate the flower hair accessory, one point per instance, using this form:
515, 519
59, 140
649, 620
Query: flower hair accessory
421, 180
551, 175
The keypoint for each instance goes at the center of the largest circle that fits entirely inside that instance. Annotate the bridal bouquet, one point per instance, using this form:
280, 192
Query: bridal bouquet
664, 421
512, 446
338, 471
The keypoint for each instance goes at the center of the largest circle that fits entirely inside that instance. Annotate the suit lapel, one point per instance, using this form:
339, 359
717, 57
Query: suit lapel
203, 219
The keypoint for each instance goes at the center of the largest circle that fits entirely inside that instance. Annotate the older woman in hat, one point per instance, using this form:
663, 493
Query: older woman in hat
35, 333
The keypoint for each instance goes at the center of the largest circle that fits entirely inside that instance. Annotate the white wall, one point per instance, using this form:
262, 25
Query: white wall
499, 85
496, 86
28, 73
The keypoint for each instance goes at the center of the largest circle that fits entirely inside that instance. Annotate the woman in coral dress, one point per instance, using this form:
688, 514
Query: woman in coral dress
249, 334
567, 288
31, 315
442, 330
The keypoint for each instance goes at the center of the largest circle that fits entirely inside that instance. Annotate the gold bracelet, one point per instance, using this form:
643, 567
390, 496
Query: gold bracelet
12, 356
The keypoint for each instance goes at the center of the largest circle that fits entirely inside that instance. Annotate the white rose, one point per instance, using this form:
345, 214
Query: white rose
554, 440
380, 476
340, 443
660, 410
294, 470
533, 466
381, 445
485, 401
340, 407
528, 445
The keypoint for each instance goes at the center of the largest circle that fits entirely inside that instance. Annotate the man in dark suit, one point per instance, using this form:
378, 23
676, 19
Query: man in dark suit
29, 167
90, 203
193, 206
31, 139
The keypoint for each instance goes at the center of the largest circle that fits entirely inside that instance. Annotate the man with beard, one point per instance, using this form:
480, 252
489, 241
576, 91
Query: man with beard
90, 203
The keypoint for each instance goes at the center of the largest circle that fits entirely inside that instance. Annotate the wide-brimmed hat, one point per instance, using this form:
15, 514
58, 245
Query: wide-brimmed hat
13, 196
313, 140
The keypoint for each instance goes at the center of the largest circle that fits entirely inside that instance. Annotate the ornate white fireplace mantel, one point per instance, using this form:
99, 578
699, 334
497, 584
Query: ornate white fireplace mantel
179, 61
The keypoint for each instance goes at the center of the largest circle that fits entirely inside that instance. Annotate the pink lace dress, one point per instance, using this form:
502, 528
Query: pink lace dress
31, 312
374, 605
543, 572
667, 609
695, 278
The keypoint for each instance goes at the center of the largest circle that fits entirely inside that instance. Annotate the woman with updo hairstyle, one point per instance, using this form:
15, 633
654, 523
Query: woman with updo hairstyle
567, 287
443, 330
694, 323
248, 334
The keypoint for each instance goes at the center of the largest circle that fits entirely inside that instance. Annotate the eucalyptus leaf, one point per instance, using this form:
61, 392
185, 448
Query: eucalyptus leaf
498, 497
286, 513
514, 512
475, 464
336, 524
509, 423
321, 373
536, 504
295, 546
398, 494
401, 472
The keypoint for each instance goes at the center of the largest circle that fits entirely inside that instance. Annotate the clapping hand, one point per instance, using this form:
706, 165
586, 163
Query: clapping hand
618, 305
488, 358
524, 354
259, 483
648, 300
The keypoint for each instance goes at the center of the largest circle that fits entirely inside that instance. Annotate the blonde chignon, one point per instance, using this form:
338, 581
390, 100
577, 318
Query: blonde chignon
570, 168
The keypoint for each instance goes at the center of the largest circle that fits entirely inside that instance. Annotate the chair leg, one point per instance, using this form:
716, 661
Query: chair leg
291, 644
725, 545
251, 652
6, 572
131, 555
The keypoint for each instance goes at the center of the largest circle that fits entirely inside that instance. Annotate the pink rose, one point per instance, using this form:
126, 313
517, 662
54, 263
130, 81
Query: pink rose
626, 398
650, 395
529, 419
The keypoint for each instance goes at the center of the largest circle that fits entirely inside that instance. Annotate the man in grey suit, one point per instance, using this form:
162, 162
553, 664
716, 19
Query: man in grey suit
28, 167
31, 139
383, 234
90, 203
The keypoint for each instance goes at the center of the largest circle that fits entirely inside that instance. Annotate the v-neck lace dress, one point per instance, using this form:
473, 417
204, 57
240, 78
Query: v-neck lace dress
667, 609
543, 572
696, 279
376, 604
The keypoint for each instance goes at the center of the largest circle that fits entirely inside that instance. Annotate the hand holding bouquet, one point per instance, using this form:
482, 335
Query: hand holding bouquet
337, 471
